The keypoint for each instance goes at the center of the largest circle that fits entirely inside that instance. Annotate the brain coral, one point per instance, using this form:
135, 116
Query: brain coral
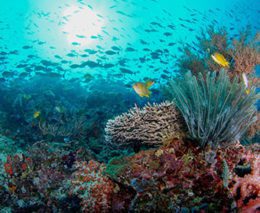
151, 125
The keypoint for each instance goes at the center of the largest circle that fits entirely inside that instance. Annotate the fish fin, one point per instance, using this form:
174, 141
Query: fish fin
149, 94
149, 83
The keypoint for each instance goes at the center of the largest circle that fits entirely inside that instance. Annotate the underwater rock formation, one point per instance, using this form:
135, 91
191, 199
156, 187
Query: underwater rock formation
151, 126
182, 177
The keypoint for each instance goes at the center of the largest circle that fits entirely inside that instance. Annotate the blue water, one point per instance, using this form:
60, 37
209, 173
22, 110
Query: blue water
49, 29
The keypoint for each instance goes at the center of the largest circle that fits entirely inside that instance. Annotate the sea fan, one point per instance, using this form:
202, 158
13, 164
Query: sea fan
215, 109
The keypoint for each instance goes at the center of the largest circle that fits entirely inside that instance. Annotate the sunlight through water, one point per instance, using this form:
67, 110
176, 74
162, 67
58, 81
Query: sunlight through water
81, 24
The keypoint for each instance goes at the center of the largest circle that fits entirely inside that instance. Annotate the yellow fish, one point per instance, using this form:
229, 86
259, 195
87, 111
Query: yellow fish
220, 59
142, 89
36, 114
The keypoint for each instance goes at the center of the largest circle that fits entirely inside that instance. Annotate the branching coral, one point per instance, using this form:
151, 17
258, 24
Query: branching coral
72, 128
150, 125
242, 53
214, 40
245, 55
215, 109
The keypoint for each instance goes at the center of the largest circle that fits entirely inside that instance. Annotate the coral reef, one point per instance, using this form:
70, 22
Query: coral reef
63, 116
98, 193
150, 126
178, 176
254, 129
246, 187
181, 177
242, 53
94, 189
246, 54
39, 179
215, 109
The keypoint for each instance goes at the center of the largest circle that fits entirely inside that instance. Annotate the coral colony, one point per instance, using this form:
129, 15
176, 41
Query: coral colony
194, 151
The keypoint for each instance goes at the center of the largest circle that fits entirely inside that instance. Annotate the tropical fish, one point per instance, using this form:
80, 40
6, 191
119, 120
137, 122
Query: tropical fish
142, 89
59, 109
245, 80
88, 77
36, 114
27, 97
220, 59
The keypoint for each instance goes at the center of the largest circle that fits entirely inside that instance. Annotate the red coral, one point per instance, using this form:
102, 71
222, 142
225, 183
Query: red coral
8, 169
15, 165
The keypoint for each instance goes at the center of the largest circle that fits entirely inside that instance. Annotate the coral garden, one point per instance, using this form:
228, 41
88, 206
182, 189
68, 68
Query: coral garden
184, 154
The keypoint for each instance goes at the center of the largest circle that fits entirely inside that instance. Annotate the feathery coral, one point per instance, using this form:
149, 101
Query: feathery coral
215, 109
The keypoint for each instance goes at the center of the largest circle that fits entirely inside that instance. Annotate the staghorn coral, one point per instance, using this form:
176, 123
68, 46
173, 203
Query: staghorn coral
150, 125
215, 109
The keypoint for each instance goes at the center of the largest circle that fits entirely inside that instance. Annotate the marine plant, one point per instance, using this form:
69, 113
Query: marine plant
215, 109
